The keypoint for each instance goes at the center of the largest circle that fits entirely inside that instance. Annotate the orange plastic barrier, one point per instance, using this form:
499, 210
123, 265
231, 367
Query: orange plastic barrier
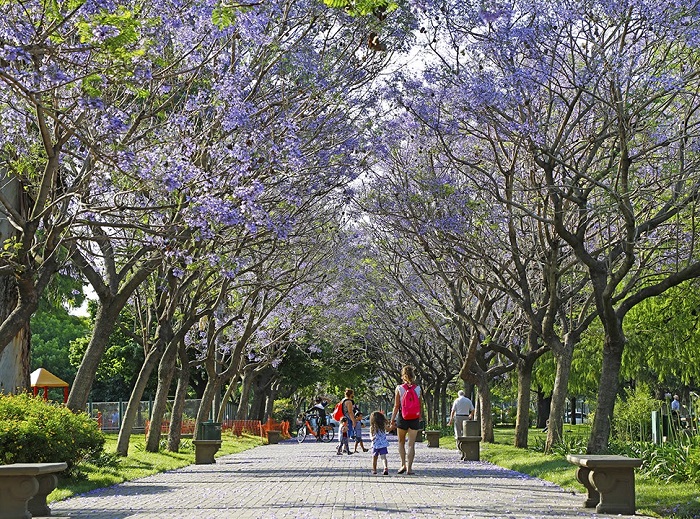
187, 426
282, 427
285, 429
238, 427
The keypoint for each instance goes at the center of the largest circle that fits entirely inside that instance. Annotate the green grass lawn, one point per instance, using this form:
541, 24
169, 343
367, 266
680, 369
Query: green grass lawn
111, 469
654, 498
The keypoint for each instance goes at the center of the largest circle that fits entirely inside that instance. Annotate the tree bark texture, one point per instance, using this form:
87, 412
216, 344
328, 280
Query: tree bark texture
607, 393
242, 412
227, 397
562, 359
183, 379
522, 421
486, 410
14, 357
105, 321
134, 403
544, 403
204, 411
166, 370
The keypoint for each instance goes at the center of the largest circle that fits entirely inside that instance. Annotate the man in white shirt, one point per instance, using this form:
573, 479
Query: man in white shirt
462, 409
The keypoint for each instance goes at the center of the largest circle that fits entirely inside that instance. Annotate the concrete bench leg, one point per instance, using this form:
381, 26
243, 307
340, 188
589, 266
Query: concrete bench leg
582, 474
37, 505
15, 491
616, 488
469, 448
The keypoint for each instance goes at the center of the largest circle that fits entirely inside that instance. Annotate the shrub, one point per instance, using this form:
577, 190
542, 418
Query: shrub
284, 409
632, 420
35, 431
569, 444
671, 462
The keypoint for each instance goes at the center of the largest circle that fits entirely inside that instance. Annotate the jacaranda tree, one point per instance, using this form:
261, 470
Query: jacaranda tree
601, 100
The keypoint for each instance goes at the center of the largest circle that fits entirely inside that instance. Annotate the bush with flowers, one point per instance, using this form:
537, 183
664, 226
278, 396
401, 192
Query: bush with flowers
35, 431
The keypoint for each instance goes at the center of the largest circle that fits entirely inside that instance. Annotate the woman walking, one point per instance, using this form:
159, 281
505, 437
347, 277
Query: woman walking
406, 417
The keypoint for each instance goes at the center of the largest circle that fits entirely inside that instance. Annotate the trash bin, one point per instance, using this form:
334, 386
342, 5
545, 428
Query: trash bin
209, 431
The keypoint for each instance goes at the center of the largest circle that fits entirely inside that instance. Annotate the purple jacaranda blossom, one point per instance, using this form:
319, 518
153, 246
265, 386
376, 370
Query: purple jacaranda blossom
11, 53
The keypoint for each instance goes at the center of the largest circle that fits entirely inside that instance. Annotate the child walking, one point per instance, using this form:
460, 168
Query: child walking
344, 436
358, 433
380, 443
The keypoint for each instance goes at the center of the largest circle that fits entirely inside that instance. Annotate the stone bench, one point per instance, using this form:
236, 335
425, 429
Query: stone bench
433, 438
469, 441
24, 487
609, 480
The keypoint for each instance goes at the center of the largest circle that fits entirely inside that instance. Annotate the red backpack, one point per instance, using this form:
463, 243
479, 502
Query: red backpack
410, 403
338, 411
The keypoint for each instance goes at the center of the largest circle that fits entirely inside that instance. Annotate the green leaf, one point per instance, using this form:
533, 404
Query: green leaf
379, 8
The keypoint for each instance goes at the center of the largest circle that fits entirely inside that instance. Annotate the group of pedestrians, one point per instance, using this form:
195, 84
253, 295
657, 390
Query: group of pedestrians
405, 419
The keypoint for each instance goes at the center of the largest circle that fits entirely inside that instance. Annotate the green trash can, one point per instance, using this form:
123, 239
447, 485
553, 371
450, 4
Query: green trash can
209, 431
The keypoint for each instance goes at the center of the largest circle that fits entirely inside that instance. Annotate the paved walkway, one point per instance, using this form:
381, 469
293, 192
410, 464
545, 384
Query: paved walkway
290, 480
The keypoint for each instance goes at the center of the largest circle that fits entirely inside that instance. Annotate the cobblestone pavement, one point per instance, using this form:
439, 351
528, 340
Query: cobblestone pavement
309, 480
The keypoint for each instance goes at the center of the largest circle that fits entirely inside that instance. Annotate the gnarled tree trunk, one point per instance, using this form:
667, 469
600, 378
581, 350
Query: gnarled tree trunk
132, 407
166, 370
522, 421
183, 381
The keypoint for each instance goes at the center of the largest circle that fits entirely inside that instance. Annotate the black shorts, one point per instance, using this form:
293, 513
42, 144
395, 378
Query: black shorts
407, 424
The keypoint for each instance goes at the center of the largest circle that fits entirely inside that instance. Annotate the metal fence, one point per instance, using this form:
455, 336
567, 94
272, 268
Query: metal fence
109, 415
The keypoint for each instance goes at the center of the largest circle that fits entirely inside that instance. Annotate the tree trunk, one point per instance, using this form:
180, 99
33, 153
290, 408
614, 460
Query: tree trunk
257, 406
427, 396
204, 410
183, 380
444, 413
132, 407
166, 370
486, 410
227, 396
470, 391
14, 358
105, 321
263, 389
543, 405
242, 413
607, 393
563, 355
270, 404
522, 422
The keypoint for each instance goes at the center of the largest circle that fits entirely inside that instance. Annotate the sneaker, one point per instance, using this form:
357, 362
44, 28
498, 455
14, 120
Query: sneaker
374, 471
386, 472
